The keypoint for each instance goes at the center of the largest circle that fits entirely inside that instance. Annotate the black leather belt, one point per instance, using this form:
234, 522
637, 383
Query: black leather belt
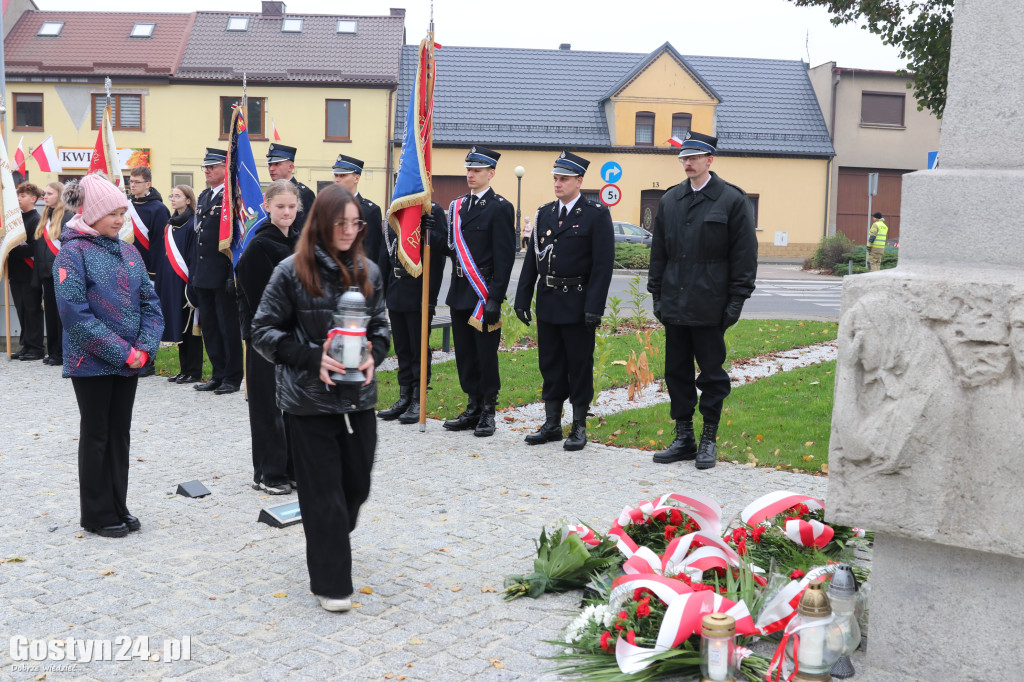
484, 272
401, 272
563, 282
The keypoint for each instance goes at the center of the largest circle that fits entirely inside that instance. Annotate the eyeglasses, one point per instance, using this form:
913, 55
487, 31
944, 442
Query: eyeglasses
136, 182
212, 166
359, 225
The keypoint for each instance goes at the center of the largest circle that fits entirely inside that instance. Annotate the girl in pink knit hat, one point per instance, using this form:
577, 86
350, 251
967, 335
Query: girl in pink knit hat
112, 325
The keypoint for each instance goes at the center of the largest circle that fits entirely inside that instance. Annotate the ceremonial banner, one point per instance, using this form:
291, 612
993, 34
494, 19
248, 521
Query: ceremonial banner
12, 226
243, 197
411, 197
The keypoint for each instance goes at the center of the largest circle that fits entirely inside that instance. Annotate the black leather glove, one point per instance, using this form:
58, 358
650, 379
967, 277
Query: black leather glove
229, 287
524, 315
592, 320
731, 314
427, 222
657, 310
492, 312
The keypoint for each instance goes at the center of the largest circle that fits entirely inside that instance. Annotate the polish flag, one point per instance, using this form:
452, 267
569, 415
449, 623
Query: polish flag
676, 142
46, 156
277, 136
19, 157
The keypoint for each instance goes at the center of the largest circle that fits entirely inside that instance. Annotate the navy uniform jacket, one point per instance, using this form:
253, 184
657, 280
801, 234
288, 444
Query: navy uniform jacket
210, 268
405, 294
373, 243
584, 246
490, 234
155, 215
306, 197
17, 260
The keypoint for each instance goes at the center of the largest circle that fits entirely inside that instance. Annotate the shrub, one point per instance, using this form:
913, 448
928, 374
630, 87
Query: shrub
632, 256
831, 251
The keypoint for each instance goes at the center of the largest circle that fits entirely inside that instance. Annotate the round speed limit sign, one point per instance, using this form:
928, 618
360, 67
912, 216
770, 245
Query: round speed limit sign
610, 195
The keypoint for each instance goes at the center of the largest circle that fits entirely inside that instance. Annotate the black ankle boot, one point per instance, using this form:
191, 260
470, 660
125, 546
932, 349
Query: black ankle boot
469, 417
707, 453
485, 425
683, 447
578, 433
404, 396
412, 412
551, 429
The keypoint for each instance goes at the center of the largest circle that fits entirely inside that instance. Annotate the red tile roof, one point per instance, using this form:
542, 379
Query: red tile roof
97, 43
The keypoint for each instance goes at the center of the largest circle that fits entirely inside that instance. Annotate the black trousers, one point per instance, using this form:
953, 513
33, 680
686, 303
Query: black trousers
104, 438
566, 358
332, 469
54, 328
218, 317
706, 345
405, 333
28, 302
476, 356
270, 460
190, 352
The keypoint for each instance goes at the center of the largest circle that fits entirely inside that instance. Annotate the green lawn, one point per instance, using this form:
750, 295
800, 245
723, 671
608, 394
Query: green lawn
781, 421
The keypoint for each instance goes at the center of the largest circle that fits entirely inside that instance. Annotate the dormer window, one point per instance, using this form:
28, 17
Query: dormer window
142, 30
240, 24
291, 26
51, 28
346, 26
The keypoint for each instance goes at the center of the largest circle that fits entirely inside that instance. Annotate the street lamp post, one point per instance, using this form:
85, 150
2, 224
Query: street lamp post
520, 172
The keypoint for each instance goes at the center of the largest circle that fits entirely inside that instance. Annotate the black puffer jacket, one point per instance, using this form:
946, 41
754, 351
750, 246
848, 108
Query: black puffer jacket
704, 252
290, 327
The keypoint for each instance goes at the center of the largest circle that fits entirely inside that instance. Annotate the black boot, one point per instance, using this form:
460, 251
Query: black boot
485, 425
412, 412
404, 397
683, 447
551, 429
707, 453
578, 434
469, 417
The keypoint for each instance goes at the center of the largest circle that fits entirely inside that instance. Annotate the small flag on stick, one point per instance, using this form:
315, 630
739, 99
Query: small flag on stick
46, 156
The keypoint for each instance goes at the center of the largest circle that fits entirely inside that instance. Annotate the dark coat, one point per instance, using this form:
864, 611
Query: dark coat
155, 215
210, 268
268, 248
373, 244
306, 198
704, 252
43, 265
170, 287
584, 246
490, 234
405, 294
290, 328
20, 256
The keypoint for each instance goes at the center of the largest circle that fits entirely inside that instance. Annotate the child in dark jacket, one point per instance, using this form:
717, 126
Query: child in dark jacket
112, 325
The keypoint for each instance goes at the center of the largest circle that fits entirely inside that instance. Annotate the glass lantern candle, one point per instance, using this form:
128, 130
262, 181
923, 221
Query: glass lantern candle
718, 648
844, 597
815, 640
348, 337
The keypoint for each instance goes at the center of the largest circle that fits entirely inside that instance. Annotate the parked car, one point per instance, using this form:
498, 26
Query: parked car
631, 234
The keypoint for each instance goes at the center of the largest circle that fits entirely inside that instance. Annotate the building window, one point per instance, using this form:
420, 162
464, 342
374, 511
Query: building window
681, 125
142, 30
181, 179
51, 28
346, 26
753, 205
882, 108
28, 111
291, 26
125, 111
254, 119
338, 115
238, 23
644, 128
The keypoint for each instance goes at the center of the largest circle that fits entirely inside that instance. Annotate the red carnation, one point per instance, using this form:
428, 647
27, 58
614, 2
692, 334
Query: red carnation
631, 637
643, 609
623, 617
638, 593
758, 532
670, 532
675, 516
742, 547
738, 534
796, 574
606, 641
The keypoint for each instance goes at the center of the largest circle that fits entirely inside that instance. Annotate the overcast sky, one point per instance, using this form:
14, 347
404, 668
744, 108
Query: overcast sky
774, 29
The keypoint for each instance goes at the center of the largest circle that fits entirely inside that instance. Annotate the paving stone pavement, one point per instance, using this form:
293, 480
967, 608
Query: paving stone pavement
448, 517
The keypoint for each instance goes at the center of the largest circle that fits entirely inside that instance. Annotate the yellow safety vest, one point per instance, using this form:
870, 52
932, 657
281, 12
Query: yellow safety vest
880, 230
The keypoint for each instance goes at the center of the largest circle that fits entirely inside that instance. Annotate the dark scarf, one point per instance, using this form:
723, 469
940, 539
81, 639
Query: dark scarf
151, 195
179, 219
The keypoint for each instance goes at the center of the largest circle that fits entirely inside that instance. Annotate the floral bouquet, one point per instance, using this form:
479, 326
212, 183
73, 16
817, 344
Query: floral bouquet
562, 565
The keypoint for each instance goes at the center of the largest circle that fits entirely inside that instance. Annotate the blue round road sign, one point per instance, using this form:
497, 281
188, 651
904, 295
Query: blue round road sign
611, 172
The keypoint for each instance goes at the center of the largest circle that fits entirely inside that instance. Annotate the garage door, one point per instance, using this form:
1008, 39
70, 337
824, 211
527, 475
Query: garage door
852, 201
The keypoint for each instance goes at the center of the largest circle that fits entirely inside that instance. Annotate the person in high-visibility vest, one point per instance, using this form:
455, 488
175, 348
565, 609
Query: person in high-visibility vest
876, 242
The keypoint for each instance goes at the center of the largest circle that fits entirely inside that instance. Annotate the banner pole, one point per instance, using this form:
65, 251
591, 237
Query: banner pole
427, 208
7, 313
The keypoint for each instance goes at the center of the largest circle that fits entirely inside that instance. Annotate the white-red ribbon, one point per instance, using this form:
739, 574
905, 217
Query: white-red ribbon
586, 534
781, 608
774, 504
174, 256
809, 533
139, 228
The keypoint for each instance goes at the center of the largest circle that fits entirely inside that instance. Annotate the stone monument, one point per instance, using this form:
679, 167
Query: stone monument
927, 443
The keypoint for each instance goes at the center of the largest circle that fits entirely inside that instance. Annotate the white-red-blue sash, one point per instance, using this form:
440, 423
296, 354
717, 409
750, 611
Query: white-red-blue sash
174, 256
469, 268
139, 228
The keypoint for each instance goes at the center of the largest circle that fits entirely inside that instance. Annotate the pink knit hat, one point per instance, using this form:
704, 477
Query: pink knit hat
99, 197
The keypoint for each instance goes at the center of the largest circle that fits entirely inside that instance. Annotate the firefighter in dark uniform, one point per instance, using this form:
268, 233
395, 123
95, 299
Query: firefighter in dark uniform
482, 241
212, 280
404, 298
571, 249
703, 265
281, 165
347, 172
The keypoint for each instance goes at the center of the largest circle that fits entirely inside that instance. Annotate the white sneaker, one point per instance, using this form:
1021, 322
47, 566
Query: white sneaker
331, 604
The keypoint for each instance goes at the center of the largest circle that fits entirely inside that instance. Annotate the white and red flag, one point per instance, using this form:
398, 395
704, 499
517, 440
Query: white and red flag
277, 135
46, 156
675, 142
19, 157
